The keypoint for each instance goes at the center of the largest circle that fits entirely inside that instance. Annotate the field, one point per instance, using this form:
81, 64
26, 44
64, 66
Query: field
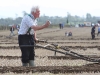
50, 62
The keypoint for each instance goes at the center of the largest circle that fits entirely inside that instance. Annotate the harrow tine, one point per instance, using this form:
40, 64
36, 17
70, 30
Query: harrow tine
47, 45
81, 56
71, 53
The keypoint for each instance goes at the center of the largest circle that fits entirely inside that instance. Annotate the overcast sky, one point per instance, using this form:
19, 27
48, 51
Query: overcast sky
14, 8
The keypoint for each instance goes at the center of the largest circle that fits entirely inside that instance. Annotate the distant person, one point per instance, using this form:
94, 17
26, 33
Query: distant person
60, 25
93, 32
17, 27
66, 33
12, 28
98, 31
70, 33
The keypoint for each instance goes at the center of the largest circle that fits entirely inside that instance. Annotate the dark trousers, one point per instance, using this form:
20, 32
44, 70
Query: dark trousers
93, 35
27, 52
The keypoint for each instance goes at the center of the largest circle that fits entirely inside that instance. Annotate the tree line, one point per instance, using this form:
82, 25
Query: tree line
55, 20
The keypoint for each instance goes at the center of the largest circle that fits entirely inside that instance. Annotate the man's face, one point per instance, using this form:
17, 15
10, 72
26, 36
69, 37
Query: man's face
36, 14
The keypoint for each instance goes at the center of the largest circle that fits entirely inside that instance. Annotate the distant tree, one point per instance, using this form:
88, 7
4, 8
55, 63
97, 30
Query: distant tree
18, 20
55, 20
88, 17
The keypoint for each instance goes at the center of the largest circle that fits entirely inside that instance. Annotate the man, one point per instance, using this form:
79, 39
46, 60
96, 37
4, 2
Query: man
70, 33
17, 27
93, 32
60, 25
12, 30
66, 33
27, 35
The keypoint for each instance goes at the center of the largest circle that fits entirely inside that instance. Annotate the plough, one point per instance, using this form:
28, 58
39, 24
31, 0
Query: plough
67, 51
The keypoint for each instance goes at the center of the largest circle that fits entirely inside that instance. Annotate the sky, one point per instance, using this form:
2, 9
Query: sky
15, 8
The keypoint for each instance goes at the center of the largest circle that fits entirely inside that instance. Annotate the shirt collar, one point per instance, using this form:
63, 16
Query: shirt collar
32, 16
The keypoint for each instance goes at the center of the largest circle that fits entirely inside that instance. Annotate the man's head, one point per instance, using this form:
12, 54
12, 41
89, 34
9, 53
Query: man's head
35, 11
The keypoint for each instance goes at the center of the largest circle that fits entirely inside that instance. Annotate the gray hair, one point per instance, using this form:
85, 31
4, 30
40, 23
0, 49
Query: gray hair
34, 8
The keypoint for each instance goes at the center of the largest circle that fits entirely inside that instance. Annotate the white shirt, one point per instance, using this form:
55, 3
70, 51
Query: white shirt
26, 23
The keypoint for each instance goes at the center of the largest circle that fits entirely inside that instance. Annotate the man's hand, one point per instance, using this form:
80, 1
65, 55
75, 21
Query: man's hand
47, 24
36, 40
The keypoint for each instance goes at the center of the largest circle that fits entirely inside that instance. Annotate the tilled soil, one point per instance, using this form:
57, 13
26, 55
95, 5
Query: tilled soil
80, 41
51, 57
72, 47
52, 69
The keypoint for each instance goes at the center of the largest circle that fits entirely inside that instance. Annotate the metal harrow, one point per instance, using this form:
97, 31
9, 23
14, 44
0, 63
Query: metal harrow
67, 51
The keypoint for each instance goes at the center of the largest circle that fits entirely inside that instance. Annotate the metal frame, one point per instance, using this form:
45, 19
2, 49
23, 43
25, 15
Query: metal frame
68, 52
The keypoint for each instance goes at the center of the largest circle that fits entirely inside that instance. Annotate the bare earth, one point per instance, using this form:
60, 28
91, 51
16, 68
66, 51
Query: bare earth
45, 60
